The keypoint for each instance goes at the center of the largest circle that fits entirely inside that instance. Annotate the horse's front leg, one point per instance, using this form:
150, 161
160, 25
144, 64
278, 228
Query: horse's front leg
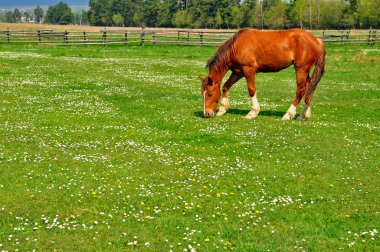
249, 73
224, 104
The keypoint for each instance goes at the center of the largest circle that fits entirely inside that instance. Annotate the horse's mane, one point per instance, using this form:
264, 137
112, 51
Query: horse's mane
222, 55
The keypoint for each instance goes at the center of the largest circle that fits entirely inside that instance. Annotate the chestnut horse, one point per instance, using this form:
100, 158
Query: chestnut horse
252, 51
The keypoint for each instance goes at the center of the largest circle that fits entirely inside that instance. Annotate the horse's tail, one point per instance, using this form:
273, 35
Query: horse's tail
318, 72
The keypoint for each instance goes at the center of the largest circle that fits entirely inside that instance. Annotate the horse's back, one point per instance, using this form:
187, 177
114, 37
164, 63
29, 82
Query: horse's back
271, 38
273, 50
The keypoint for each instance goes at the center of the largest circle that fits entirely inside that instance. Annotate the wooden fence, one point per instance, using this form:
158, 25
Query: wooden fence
143, 36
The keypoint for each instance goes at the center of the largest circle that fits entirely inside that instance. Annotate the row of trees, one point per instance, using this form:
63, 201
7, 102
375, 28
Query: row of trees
16, 16
263, 14
56, 14
275, 14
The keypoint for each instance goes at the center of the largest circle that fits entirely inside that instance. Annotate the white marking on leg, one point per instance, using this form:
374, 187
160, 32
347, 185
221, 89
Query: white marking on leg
204, 103
255, 103
221, 111
306, 113
290, 113
224, 105
255, 108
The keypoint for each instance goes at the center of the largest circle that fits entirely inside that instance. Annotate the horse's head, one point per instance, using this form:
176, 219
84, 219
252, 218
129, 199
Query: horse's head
211, 94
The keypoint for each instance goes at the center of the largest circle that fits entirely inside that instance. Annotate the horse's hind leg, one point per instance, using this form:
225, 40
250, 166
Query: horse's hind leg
224, 104
302, 82
306, 112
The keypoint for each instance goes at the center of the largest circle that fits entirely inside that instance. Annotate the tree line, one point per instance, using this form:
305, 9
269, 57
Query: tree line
262, 14
60, 14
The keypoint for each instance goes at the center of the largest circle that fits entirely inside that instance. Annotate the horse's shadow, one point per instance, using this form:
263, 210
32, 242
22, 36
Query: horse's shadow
244, 112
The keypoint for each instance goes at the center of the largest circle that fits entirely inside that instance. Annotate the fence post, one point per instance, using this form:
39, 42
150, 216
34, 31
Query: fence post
374, 37
84, 37
8, 36
178, 36
104, 38
188, 37
65, 38
201, 37
39, 36
142, 38
154, 38
126, 38
347, 33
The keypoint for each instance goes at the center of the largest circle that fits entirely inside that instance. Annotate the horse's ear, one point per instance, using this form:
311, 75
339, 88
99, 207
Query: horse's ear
201, 78
209, 81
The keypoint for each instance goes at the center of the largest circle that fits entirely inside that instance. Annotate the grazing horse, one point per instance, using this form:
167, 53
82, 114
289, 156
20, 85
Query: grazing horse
252, 51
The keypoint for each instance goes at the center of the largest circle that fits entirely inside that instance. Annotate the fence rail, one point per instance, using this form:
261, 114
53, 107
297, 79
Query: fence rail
177, 37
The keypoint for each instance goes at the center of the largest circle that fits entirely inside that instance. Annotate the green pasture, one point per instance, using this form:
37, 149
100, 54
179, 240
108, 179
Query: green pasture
106, 149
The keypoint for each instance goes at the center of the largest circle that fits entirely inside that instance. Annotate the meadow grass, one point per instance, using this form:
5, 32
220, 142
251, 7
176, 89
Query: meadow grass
106, 149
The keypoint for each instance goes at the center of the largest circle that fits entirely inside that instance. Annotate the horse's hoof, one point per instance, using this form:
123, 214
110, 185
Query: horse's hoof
287, 117
302, 117
306, 113
220, 113
252, 114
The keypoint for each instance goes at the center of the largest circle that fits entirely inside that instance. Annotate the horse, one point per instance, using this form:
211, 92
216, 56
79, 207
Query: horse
252, 51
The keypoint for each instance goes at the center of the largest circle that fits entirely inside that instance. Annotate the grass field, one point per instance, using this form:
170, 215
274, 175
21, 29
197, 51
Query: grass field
106, 149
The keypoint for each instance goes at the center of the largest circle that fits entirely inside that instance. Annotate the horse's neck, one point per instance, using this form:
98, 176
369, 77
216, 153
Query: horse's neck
218, 74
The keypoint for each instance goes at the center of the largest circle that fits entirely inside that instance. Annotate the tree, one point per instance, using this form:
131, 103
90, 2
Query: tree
9, 17
59, 14
201, 12
182, 19
166, 12
353, 5
248, 8
138, 18
331, 14
310, 13
348, 20
236, 13
80, 17
38, 14
17, 15
369, 13
118, 19
150, 12
218, 19
27, 17
163, 16
261, 9
100, 12
318, 13
298, 12
236, 17
224, 9
259, 14
84, 17
275, 17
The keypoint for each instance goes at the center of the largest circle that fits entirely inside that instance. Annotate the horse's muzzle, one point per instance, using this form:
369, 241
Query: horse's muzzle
209, 114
